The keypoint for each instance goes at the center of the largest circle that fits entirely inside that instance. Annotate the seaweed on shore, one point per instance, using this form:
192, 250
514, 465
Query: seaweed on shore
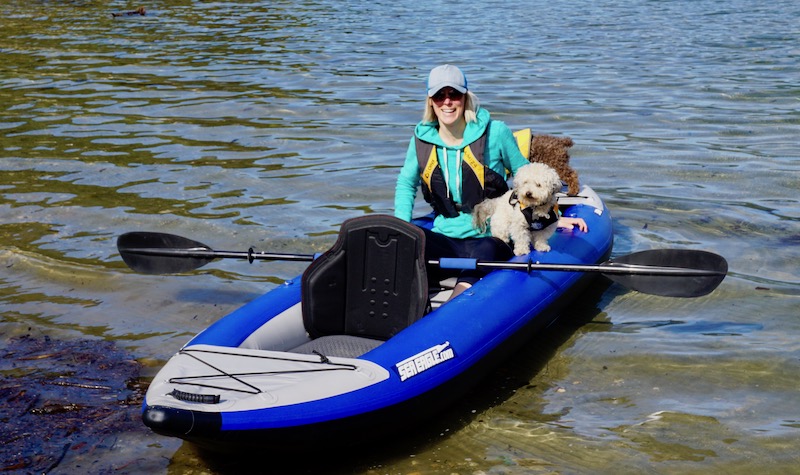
64, 397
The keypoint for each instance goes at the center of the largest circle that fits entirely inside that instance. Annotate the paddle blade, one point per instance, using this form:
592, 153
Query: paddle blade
161, 253
697, 273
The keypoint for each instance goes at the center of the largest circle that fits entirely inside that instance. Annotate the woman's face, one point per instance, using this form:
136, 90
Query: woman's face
448, 105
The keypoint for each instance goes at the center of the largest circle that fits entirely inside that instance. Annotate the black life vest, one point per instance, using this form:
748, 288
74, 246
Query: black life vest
540, 222
536, 223
478, 182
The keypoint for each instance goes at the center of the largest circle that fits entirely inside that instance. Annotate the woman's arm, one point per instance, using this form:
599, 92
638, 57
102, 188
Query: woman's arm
509, 150
405, 192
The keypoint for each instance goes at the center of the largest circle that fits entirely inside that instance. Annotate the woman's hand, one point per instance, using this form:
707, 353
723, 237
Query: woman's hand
570, 223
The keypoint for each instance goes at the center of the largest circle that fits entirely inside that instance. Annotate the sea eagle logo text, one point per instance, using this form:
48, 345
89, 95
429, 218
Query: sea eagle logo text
424, 360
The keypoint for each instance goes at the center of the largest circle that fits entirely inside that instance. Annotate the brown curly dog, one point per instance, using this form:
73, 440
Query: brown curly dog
552, 151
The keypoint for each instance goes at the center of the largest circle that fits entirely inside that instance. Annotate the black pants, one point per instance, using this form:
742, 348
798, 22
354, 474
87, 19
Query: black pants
486, 248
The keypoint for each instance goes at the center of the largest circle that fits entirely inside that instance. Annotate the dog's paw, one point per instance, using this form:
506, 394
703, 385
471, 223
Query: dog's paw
521, 250
542, 247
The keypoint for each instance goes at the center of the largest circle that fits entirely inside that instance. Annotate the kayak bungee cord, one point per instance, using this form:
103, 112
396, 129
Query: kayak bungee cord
193, 380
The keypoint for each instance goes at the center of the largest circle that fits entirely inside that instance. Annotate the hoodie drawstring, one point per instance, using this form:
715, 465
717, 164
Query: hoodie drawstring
446, 169
458, 168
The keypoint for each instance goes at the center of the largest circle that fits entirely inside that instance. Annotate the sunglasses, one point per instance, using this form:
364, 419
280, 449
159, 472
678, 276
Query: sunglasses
450, 93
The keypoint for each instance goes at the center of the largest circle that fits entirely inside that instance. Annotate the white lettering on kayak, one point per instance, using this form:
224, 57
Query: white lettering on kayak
424, 360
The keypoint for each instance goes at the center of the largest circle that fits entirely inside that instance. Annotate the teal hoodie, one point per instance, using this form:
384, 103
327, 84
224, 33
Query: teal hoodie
502, 153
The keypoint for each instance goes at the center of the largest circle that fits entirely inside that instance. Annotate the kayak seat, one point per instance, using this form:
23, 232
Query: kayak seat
371, 283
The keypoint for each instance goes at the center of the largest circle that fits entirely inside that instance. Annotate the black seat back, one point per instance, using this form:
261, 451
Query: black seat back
371, 283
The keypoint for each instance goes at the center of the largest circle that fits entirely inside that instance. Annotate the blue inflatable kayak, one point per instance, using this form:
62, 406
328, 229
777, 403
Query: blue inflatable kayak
359, 346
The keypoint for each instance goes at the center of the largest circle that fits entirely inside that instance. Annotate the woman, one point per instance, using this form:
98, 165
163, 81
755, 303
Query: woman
459, 156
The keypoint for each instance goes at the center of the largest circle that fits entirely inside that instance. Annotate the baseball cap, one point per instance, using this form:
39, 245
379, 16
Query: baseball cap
446, 75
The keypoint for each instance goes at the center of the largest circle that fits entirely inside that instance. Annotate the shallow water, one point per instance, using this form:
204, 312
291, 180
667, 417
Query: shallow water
267, 124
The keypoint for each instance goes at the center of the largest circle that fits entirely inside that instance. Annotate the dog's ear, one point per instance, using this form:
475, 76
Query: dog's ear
557, 186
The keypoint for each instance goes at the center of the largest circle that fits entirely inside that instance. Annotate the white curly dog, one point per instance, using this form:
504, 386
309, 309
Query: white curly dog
527, 213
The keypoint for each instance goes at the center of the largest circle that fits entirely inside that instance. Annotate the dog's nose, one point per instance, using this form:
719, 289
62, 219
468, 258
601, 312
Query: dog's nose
529, 195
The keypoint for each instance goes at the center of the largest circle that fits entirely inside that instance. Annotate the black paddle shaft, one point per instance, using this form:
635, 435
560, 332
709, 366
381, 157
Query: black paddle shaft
162, 253
665, 272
